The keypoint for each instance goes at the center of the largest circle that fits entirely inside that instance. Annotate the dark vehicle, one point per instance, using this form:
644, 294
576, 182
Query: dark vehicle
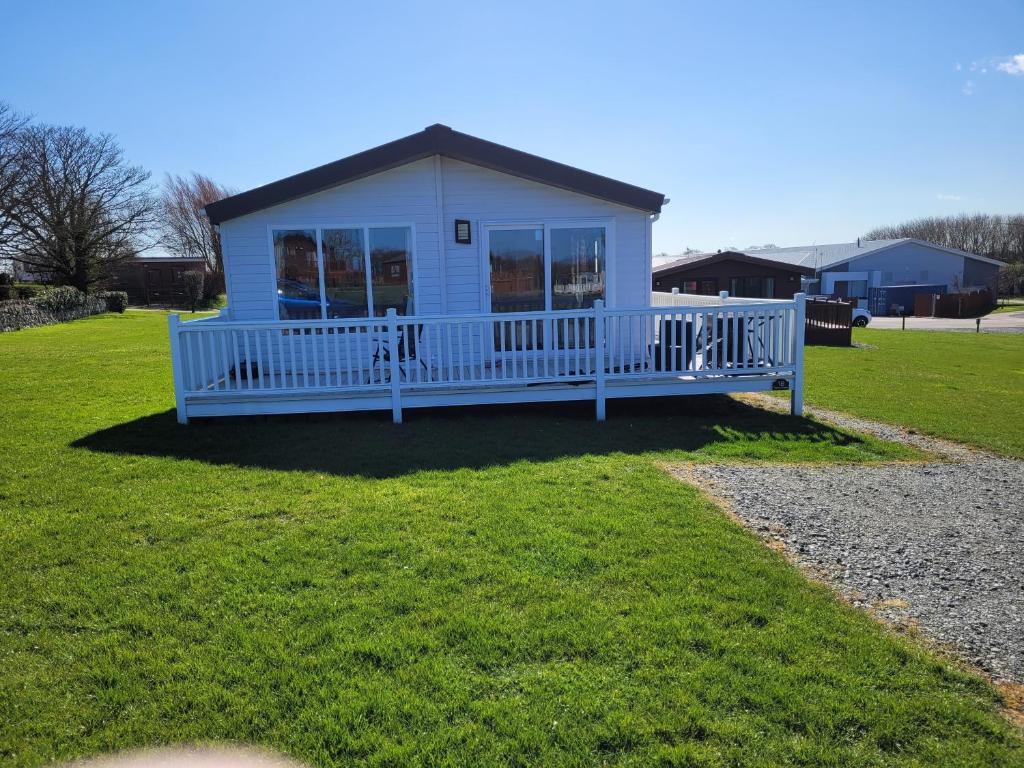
300, 301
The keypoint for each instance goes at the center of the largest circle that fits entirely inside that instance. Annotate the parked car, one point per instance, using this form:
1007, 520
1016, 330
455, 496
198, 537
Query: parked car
861, 317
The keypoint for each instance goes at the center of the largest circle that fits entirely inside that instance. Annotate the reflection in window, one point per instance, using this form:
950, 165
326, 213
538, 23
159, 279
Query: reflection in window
517, 270
344, 272
298, 274
577, 267
391, 270
706, 286
752, 287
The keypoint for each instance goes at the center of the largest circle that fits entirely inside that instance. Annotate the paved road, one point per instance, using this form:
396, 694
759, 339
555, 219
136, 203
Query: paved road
1002, 322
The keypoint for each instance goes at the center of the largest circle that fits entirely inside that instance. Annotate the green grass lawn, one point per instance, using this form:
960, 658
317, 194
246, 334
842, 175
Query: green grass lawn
521, 587
1010, 305
965, 386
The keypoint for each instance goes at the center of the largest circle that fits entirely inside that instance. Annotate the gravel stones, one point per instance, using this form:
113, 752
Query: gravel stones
939, 545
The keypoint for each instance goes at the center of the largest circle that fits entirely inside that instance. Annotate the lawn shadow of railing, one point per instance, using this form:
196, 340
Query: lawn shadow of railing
369, 445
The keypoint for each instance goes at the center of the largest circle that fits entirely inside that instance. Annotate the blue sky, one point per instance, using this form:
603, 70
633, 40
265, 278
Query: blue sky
779, 122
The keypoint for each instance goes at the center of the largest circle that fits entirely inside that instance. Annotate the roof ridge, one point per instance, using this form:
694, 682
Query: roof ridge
436, 139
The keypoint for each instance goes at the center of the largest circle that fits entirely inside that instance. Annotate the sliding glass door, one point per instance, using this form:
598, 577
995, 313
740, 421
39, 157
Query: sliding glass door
516, 261
545, 267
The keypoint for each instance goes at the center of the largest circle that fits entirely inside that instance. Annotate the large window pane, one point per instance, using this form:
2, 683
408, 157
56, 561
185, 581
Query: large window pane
517, 270
391, 269
345, 272
577, 267
298, 274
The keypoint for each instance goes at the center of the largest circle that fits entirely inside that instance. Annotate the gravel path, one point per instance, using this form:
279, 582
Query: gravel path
939, 545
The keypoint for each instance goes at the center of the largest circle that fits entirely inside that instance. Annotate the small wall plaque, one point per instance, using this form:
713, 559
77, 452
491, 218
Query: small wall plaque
463, 235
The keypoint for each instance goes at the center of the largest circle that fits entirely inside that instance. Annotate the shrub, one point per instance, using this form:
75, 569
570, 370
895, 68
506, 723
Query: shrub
62, 299
193, 280
27, 291
117, 301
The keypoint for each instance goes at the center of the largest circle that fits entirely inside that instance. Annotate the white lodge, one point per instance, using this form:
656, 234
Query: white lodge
441, 269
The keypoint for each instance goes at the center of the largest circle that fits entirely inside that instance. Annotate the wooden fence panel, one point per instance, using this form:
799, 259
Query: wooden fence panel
828, 323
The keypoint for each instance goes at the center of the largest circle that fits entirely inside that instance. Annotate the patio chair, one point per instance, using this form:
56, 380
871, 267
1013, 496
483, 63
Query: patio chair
405, 354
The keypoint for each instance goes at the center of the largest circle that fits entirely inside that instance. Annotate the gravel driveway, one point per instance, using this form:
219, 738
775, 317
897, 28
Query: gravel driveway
939, 545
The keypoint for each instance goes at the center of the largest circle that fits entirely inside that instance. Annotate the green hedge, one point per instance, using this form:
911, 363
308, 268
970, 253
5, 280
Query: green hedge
58, 305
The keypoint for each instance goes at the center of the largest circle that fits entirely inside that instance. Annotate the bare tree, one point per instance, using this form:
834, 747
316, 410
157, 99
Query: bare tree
998, 237
185, 231
988, 235
76, 208
11, 126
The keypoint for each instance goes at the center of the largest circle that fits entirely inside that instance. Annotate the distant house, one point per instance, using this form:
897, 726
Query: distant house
738, 273
873, 271
155, 279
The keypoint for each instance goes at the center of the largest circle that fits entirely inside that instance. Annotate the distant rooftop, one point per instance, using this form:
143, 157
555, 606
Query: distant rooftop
822, 256
825, 256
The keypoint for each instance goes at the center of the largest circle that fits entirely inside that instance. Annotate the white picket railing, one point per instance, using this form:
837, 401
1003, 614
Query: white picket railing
219, 358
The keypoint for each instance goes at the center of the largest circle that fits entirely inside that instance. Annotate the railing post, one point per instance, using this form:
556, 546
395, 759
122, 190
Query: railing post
723, 296
599, 357
796, 402
177, 367
675, 297
396, 383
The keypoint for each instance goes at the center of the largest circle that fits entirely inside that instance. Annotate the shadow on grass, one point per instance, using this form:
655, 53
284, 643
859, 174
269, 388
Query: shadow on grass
369, 445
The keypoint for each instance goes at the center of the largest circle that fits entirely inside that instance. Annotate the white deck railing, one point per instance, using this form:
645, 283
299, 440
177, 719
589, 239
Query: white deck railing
219, 359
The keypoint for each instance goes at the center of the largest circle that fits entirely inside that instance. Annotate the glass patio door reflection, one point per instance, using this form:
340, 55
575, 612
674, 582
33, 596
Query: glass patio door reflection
517, 269
516, 261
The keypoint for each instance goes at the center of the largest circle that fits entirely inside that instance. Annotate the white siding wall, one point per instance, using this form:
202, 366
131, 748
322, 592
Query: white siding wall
401, 195
408, 195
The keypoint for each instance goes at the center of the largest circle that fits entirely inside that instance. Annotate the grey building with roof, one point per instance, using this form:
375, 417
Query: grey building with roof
851, 270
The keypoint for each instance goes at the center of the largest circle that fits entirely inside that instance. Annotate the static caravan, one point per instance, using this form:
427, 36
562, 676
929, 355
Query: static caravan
442, 269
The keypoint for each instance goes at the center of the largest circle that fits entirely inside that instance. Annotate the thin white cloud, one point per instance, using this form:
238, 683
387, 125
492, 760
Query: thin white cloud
958, 67
954, 198
1013, 65
968, 89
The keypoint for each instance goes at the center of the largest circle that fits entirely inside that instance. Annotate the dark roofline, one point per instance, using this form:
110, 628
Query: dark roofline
713, 258
435, 140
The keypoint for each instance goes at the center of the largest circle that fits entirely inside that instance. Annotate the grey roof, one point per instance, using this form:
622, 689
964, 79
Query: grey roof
822, 256
754, 257
435, 140
827, 256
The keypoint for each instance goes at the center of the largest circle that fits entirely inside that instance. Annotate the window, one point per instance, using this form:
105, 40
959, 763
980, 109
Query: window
298, 274
343, 272
537, 267
705, 286
577, 267
389, 267
752, 287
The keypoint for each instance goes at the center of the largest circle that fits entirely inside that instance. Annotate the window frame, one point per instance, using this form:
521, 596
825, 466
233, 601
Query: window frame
485, 227
367, 267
